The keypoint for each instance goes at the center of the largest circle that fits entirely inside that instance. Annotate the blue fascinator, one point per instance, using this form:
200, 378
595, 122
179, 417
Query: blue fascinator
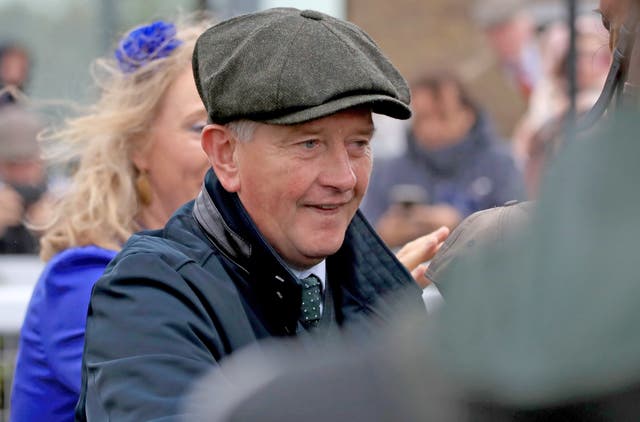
145, 44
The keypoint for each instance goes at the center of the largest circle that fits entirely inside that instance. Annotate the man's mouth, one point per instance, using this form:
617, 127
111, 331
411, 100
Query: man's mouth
328, 207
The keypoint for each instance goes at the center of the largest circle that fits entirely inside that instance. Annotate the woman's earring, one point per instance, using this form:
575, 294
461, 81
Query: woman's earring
143, 188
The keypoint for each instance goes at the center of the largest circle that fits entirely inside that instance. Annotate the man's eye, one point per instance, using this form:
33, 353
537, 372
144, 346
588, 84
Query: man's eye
309, 144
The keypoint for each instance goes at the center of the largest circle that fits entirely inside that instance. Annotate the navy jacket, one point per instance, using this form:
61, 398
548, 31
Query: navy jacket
177, 300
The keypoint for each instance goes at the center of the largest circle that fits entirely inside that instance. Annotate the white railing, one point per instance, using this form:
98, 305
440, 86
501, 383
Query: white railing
18, 275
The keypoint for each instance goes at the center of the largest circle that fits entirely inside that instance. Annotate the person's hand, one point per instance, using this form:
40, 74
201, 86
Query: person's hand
400, 225
414, 254
11, 208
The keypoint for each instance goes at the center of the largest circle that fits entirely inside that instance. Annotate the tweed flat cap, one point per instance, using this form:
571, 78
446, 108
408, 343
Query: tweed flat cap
286, 66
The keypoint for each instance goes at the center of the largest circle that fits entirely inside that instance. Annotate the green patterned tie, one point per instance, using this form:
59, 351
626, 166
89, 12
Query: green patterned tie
311, 299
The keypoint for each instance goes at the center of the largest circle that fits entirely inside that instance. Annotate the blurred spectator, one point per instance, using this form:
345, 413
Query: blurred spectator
550, 99
23, 181
14, 71
539, 149
454, 165
511, 33
140, 160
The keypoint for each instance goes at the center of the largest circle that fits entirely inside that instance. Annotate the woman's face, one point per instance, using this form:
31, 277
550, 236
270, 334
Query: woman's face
175, 162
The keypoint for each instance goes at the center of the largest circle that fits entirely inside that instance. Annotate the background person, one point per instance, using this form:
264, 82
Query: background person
140, 158
511, 34
453, 156
23, 181
15, 65
550, 100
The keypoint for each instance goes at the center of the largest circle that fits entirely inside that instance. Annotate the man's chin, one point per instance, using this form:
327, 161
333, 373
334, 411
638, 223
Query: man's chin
318, 254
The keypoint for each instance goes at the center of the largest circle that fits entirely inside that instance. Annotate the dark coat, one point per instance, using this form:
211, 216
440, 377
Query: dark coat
177, 300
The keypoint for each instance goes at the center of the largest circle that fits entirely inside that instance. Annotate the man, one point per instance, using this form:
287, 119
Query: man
275, 246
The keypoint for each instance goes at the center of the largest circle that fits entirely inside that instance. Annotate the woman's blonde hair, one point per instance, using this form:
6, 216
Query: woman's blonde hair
102, 203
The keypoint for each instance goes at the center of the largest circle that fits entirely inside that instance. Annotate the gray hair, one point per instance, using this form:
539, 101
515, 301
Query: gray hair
243, 129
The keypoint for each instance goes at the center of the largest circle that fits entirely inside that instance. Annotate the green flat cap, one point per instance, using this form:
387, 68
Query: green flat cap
286, 66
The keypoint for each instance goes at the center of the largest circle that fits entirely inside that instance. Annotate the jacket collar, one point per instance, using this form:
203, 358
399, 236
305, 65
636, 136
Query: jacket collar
361, 272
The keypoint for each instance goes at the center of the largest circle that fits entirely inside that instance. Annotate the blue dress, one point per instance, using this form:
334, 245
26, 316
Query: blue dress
47, 379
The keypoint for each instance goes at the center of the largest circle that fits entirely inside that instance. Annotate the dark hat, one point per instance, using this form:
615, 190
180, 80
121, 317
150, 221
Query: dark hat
18, 134
487, 228
286, 66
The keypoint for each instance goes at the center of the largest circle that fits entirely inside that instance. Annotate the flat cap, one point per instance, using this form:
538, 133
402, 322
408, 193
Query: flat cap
286, 66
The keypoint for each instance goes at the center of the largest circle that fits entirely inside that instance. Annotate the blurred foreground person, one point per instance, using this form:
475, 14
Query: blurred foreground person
24, 199
454, 165
550, 332
340, 380
487, 229
139, 160
275, 245
543, 327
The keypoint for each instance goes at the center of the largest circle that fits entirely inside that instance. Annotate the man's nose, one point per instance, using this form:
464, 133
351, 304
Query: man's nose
338, 170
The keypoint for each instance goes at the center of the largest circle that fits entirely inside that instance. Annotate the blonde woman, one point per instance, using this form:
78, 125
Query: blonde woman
139, 160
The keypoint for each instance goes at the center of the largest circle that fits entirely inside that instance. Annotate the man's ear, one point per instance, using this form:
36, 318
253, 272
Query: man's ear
220, 146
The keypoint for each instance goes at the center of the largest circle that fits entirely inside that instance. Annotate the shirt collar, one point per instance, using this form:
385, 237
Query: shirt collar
319, 270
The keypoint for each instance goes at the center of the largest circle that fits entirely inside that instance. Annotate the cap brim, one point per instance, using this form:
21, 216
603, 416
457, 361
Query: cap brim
381, 104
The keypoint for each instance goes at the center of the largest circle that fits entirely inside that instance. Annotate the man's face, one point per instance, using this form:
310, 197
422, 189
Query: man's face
302, 184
